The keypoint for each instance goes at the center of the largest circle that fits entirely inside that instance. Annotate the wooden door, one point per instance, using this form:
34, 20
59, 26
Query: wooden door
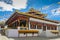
44, 28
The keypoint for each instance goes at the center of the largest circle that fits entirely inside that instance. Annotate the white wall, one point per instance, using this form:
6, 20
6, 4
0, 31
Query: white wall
40, 30
46, 33
58, 27
42, 21
11, 32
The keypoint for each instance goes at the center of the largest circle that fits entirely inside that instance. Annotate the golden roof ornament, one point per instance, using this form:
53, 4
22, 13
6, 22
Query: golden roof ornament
17, 10
36, 11
32, 10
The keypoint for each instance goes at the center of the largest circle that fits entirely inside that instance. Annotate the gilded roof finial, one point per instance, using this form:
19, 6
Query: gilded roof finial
17, 10
32, 10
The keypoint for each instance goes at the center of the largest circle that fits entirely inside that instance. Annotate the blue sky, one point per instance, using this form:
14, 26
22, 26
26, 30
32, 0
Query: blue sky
49, 7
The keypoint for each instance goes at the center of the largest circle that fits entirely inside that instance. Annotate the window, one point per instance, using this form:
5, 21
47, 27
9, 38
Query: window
33, 26
48, 27
17, 24
53, 28
14, 27
23, 23
39, 27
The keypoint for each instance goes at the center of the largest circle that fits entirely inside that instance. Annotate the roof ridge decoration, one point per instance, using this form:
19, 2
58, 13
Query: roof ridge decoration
32, 15
36, 12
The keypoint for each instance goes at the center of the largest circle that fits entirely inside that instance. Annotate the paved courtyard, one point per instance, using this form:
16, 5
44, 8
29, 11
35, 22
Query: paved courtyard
34, 38
31, 38
2, 37
28, 38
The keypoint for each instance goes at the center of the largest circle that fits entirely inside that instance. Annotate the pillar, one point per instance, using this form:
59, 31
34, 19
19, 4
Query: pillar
18, 22
57, 27
29, 24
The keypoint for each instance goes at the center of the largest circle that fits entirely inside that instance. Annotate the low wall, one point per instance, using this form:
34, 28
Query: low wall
11, 32
50, 34
14, 33
24, 33
27, 34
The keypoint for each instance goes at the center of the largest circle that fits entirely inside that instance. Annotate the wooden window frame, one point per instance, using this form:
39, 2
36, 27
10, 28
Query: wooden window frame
39, 26
33, 26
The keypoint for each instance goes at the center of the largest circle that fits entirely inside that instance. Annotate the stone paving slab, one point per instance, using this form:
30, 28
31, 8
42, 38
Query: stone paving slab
5, 38
55, 39
30, 38
27, 38
35, 38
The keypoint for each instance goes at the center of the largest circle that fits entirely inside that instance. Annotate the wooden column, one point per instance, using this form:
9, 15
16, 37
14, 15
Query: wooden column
18, 22
57, 27
29, 25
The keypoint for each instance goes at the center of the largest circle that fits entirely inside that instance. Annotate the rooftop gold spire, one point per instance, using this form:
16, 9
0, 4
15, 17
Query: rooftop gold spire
32, 10
36, 12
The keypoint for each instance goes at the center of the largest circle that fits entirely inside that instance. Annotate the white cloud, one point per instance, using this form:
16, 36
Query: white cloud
17, 4
3, 19
5, 6
45, 7
56, 12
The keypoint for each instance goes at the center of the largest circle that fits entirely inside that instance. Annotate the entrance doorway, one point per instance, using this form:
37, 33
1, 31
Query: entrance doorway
44, 28
23, 23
